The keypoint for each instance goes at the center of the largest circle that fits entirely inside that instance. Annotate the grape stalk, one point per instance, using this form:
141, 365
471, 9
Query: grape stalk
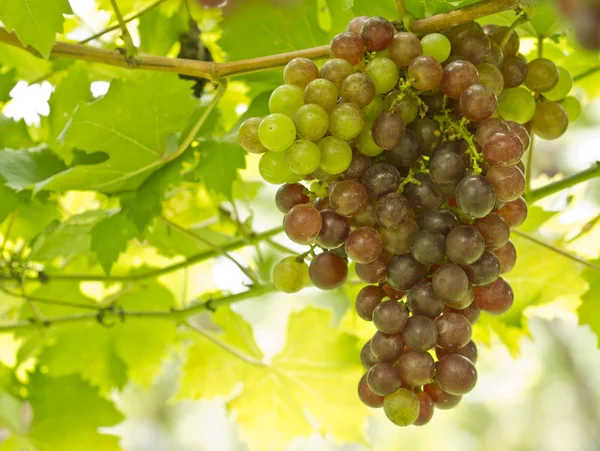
404, 155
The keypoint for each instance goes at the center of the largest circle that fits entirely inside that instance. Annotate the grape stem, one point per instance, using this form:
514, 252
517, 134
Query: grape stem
214, 71
568, 182
130, 48
523, 18
400, 8
117, 314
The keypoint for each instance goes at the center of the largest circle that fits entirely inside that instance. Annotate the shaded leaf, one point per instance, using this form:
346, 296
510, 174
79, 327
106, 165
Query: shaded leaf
110, 237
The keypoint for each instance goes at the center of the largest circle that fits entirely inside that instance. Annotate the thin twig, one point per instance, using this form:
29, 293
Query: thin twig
129, 45
518, 21
227, 347
558, 250
400, 8
127, 19
560, 185
281, 247
51, 301
247, 271
586, 74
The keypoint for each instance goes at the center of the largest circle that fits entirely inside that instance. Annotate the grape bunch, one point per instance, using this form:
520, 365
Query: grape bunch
404, 155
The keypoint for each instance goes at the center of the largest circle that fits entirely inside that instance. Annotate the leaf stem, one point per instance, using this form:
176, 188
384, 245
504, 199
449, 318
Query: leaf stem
131, 49
558, 250
127, 19
123, 315
568, 182
247, 271
192, 260
518, 21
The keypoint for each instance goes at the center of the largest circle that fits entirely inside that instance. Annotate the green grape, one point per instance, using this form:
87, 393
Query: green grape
401, 407
573, 108
346, 120
550, 120
248, 135
277, 132
274, 169
303, 157
286, 99
436, 45
322, 92
336, 155
366, 145
516, 104
542, 75
312, 122
562, 88
373, 109
384, 73
290, 275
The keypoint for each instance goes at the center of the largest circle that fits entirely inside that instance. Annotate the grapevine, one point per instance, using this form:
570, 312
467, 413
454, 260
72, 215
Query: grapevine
403, 155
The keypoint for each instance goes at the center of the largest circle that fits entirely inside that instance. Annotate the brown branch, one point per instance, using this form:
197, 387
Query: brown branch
213, 71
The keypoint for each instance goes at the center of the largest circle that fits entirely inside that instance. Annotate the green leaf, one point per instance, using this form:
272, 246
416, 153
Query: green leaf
67, 413
136, 124
589, 310
13, 134
7, 83
29, 67
307, 383
110, 237
35, 22
32, 216
8, 201
159, 33
22, 169
220, 160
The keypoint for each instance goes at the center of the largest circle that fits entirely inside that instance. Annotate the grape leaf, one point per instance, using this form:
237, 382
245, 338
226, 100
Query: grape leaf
13, 134
158, 33
220, 160
589, 312
29, 67
35, 22
32, 216
109, 238
7, 82
22, 169
8, 201
135, 124
310, 378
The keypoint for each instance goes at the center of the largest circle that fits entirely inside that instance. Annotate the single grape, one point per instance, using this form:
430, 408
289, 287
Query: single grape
302, 224
286, 99
407, 152
509, 182
336, 155
503, 149
422, 300
454, 331
478, 103
356, 24
441, 399
300, 72
389, 317
572, 108
494, 229
366, 395
334, 229
367, 299
495, 57
472, 44
404, 48
441, 221
391, 210
384, 73
388, 131
290, 275
542, 75
422, 197
446, 167
495, 298
387, 347
406, 106
416, 368
562, 88
403, 272
321, 92
358, 88
348, 198
471, 312
485, 270
428, 131
488, 128
475, 196
248, 136
464, 245
507, 256
514, 70
434, 101
373, 109
336, 70
457, 77
328, 271
450, 283
383, 378
381, 179
401, 407
521, 132
491, 77
550, 120
364, 245
277, 132
347, 46
303, 157
273, 169
428, 247
346, 121
456, 374
436, 45
426, 72
367, 358
469, 351
375, 271
377, 33
359, 164
426, 408
290, 195
517, 105
397, 241
419, 333
514, 212
366, 144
